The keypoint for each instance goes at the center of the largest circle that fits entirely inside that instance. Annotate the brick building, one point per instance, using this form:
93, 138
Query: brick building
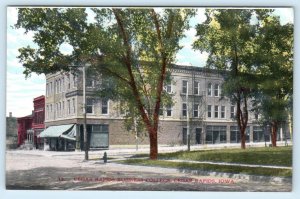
196, 93
29, 127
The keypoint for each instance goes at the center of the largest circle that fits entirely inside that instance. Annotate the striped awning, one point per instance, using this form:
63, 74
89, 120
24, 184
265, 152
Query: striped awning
67, 131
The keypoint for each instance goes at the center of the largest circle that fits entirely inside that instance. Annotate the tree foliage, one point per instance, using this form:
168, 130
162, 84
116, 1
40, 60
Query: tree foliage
133, 48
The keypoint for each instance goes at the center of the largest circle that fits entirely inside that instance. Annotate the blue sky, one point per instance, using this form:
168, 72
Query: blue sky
21, 91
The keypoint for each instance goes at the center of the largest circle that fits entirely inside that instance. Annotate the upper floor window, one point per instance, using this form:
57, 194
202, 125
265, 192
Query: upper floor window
209, 111
232, 112
63, 84
168, 88
209, 85
74, 81
184, 109
222, 111
74, 105
161, 109
196, 110
216, 90
104, 107
50, 89
184, 86
216, 111
68, 81
89, 105
169, 110
196, 88
90, 83
69, 107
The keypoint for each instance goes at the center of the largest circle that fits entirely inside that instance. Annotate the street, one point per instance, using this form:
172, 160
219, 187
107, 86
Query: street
46, 170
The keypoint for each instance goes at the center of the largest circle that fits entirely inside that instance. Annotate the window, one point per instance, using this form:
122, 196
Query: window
74, 105
196, 88
63, 85
168, 88
232, 112
235, 135
47, 112
209, 85
50, 93
69, 107
216, 90
216, 111
196, 111
74, 81
69, 82
63, 108
258, 134
215, 134
184, 109
104, 108
209, 111
256, 116
59, 112
161, 109
90, 83
169, 110
59, 85
89, 106
222, 111
184, 86
47, 90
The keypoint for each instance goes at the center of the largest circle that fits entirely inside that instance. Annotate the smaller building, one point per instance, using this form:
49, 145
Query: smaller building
24, 124
30, 126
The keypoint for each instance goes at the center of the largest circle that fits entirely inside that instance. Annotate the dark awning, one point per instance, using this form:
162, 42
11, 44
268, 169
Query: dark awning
67, 131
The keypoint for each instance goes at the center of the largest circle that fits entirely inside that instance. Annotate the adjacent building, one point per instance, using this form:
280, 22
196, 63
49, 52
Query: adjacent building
198, 106
30, 126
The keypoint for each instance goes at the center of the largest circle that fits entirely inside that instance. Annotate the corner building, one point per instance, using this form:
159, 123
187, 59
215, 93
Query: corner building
196, 95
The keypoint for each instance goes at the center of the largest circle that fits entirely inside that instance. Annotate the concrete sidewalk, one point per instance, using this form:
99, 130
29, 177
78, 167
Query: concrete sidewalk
232, 164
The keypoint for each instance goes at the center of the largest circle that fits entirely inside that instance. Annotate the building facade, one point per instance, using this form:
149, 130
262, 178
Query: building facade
24, 124
198, 106
38, 120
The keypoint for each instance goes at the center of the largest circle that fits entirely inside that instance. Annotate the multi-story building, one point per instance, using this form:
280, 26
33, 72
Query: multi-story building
197, 104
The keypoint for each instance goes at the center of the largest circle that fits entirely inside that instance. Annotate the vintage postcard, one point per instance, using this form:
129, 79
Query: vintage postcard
150, 98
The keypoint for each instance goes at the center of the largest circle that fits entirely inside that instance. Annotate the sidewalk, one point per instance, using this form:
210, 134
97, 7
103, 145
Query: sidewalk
231, 164
126, 150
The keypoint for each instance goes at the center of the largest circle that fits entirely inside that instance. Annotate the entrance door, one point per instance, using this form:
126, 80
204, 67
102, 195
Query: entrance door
198, 135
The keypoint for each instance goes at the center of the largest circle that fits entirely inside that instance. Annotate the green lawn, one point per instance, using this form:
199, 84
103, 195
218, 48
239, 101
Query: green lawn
209, 167
280, 156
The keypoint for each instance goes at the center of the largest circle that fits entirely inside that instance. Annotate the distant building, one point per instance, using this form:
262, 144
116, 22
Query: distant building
29, 127
196, 92
24, 124
11, 132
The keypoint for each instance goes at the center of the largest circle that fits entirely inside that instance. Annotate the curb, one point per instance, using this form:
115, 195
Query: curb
239, 176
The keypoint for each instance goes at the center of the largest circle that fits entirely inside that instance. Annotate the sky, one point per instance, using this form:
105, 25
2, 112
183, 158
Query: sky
21, 91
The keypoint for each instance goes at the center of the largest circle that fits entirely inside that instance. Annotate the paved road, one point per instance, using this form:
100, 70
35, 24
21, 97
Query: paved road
62, 172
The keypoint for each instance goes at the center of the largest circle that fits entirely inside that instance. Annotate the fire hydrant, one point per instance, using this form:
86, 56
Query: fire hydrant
105, 157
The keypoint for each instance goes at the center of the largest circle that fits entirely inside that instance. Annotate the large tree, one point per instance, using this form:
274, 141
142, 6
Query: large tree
115, 46
227, 35
274, 68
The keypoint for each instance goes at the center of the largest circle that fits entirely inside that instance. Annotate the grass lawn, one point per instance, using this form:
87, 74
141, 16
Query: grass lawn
280, 156
209, 167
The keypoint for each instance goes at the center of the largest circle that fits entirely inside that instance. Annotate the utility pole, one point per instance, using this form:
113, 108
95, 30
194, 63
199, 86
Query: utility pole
188, 117
85, 137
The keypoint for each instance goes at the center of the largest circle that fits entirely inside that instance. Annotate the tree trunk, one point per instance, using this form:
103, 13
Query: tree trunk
274, 133
243, 138
153, 145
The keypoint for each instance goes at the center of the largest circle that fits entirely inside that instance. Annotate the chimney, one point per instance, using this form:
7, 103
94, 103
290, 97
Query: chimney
10, 114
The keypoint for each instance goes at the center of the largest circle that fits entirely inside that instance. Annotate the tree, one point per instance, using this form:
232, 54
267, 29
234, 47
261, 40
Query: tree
115, 46
274, 67
228, 35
